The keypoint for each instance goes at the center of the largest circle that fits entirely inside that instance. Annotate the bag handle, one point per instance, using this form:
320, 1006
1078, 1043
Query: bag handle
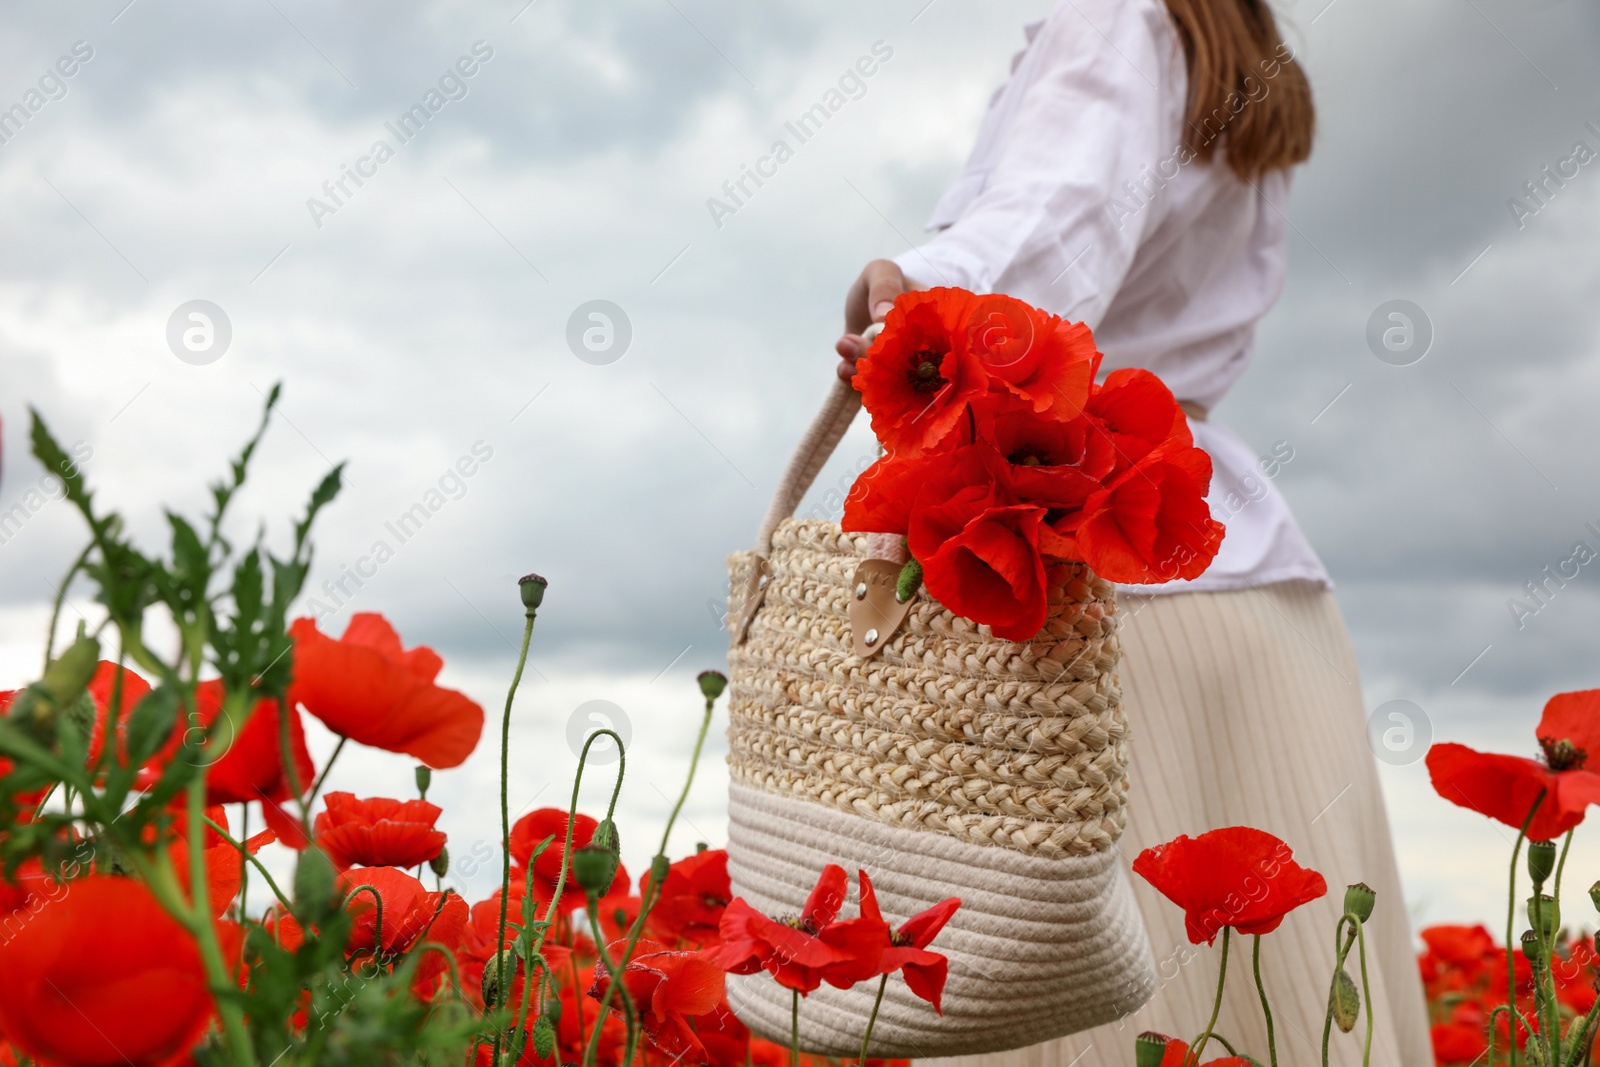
815, 448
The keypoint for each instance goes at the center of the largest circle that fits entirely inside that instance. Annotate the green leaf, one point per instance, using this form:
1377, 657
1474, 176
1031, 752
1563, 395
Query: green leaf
55, 460
150, 724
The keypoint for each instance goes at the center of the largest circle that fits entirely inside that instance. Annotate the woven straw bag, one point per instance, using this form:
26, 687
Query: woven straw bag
944, 762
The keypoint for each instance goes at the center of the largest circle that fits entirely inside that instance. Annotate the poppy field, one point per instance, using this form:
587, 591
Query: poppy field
138, 783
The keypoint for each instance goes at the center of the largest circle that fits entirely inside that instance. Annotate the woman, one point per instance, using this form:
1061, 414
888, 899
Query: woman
1133, 174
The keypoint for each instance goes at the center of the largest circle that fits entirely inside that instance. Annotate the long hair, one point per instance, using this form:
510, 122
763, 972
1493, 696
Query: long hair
1247, 95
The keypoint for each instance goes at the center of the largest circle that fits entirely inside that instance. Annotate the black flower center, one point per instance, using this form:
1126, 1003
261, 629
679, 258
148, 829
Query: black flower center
1563, 755
922, 371
1029, 457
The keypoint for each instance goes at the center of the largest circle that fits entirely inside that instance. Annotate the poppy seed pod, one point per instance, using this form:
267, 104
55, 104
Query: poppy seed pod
532, 588
712, 683
1547, 919
1541, 860
594, 868
659, 868
1359, 900
1530, 946
424, 778
440, 864
1150, 1048
1344, 1002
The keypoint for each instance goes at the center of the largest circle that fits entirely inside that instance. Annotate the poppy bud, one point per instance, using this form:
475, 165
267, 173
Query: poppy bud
1594, 895
605, 836
502, 965
313, 885
910, 580
699, 847
1358, 901
1541, 860
532, 588
552, 1009
1344, 1002
594, 868
712, 683
64, 681
1530, 946
1548, 916
544, 1037
440, 864
424, 779
659, 866
1149, 1049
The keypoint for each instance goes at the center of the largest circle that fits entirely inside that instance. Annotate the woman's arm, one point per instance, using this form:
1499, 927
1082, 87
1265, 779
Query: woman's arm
1067, 192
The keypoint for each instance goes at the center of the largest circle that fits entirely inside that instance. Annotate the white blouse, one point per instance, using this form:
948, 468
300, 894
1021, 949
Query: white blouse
1080, 198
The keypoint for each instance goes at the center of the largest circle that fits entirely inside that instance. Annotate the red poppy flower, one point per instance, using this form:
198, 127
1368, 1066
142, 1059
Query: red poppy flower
411, 914
379, 832
534, 827
1133, 413
1237, 876
1573, 718
1505, 787
924, 971
364, 686
668, 989
104, 977
693, 897
1045, 361
982, 555
919, 376
725, 1039
1176, 1054
1460, 946
1151, 523
1459, 1043
792, 951
1049, 463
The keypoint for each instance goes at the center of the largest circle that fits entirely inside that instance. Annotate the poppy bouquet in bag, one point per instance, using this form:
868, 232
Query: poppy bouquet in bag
1004, 455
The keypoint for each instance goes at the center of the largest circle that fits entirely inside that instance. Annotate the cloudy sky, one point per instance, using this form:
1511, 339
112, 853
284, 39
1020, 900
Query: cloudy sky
423, 315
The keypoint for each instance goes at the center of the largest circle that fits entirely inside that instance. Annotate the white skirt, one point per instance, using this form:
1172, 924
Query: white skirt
1245, 709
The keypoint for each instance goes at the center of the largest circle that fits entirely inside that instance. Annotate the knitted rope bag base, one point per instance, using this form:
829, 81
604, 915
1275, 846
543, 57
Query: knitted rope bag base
949, 763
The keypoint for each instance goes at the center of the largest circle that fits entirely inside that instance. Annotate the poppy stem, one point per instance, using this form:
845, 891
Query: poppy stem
652, 892
1266, 1008
1366, 988
1341, 952
1216, 1009
794, 1028
1511, 920
871, 1021
223, 985
254, 862
505, 810
316, 788
592, 909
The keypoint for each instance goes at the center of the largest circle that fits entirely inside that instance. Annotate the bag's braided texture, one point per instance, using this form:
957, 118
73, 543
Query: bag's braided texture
950, 729
1040, 947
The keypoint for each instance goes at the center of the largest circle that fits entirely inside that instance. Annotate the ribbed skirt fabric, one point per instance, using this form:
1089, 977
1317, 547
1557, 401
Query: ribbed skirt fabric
1245, 709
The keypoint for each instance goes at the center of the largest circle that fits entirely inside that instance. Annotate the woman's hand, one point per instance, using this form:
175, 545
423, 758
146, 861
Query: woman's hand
868, 301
